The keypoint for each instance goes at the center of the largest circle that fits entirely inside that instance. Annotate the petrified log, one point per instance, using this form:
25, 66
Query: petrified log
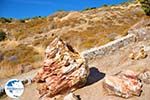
64, 69
125, 84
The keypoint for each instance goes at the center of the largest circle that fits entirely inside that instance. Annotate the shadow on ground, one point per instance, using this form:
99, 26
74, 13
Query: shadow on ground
94, 76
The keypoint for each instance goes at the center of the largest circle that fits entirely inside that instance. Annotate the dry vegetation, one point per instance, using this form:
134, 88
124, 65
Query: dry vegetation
19, 59
27, 39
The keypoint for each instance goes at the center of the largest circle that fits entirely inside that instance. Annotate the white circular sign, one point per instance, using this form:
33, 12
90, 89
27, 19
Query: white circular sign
14, 88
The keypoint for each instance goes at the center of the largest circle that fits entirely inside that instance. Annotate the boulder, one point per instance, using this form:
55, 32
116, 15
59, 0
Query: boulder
63, 70
126, 84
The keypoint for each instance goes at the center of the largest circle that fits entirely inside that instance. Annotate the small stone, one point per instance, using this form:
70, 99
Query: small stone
141, 55
138, 55
2, 91
145, 77
71, 96
131, 56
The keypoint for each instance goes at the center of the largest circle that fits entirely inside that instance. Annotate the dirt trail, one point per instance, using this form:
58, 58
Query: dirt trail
27, 75
99, 68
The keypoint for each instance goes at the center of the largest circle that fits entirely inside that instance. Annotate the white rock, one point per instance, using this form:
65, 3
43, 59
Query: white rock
71, 96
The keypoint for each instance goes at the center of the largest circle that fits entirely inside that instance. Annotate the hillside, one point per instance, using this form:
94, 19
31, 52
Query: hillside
103, 66
23, 49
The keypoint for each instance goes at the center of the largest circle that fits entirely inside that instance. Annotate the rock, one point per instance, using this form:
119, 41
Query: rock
71, 96
141, 54
26, 81
146, 48
145, 77
126, 84
2, 91
13, 58
25, 67
132, 56
64, 69
138, 55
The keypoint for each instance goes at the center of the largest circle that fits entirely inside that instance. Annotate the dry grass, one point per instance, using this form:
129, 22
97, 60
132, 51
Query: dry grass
25, 59
8, 44
8, 69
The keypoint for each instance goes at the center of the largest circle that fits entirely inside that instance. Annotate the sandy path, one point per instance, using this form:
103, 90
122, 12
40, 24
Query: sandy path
27, 75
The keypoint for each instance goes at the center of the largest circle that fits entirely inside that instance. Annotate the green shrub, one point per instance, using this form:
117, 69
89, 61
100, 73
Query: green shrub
22, 20
5, 20
104, 5
89, 8
145, 6
2, 35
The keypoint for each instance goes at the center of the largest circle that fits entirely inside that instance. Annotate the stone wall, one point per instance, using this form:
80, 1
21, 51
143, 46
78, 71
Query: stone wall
109, 47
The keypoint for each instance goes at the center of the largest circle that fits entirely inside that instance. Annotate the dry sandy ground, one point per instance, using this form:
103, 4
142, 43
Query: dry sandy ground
99, 68
110, 65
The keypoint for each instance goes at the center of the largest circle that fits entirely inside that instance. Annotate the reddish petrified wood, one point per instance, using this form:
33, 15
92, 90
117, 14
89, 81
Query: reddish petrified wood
125, 84
64, 69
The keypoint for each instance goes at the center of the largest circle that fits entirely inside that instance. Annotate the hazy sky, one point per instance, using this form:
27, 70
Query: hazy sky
31, 8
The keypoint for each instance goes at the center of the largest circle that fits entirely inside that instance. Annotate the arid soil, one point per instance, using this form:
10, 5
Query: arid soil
112, 64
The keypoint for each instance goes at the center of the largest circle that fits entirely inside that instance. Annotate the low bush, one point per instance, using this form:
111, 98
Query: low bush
5, 20
145, 6
2, 35
89, 8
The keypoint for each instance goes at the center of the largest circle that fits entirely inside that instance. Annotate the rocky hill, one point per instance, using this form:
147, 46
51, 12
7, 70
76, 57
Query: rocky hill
26, 40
